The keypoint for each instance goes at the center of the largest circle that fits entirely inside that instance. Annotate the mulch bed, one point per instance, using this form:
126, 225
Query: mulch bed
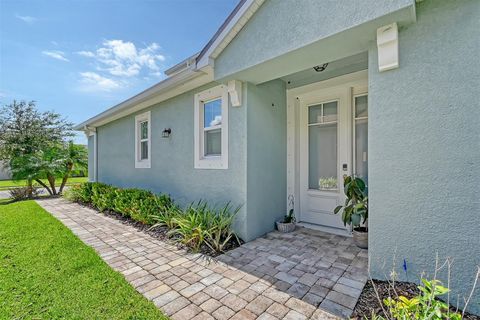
369, 301
161, 233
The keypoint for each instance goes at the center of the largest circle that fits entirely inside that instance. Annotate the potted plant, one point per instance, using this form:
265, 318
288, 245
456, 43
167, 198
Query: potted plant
288, 223
355, 210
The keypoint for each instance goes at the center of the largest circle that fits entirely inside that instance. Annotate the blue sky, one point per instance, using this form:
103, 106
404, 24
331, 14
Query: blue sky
80, 57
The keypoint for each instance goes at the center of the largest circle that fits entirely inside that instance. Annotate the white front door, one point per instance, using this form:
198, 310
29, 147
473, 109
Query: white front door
328, 143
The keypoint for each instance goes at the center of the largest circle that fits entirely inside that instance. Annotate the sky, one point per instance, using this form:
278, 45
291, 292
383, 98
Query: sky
79, 58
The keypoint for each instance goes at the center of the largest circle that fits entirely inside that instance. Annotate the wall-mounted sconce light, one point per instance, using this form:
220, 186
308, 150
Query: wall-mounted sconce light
166, 133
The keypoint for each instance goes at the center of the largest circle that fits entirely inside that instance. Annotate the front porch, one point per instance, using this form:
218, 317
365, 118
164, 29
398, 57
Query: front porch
306, 274
325, 270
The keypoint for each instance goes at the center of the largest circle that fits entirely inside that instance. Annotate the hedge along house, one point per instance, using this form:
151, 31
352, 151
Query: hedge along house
289, 96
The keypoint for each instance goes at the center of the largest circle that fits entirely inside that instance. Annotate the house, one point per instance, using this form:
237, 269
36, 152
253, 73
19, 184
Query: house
5, 173
289, 96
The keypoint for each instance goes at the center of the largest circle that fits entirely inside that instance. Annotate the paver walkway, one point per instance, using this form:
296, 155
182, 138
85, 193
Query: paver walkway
302, 275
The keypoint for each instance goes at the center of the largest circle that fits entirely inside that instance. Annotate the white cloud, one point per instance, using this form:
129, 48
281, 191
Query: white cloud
88, 54
55, 54
123, 59
26, 19
92, 82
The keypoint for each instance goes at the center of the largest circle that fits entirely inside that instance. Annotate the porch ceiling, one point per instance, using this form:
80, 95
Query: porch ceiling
335, 68
342, 45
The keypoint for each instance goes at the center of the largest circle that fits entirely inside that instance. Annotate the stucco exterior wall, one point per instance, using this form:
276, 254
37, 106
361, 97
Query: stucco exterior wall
424, 147
172, 163
283, 26
266, 156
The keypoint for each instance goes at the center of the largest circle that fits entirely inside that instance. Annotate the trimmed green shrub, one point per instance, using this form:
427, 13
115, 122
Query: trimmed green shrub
198, 224
80, 192
140, 205
103, 196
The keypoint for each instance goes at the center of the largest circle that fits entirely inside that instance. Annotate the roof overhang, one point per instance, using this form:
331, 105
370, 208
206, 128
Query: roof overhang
227, 31
181, 82
189, 74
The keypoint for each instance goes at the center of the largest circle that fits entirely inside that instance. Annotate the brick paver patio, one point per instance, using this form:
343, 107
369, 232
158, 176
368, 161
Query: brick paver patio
302, 275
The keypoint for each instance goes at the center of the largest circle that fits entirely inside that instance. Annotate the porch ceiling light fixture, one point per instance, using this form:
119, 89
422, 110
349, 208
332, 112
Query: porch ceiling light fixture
320, 68
166, 132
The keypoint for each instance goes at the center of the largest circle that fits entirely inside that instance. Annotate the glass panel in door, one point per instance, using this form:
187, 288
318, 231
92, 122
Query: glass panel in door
322, 146
361, 137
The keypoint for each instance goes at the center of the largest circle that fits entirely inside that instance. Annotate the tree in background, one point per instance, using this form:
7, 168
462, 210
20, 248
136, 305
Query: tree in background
33, 144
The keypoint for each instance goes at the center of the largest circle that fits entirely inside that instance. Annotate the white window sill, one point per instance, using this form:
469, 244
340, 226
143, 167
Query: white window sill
212, 162
144, 164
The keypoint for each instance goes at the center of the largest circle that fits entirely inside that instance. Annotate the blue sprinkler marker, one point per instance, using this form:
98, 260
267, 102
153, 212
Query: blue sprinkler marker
405, 268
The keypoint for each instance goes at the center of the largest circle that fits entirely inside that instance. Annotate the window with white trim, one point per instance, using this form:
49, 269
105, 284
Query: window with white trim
142, 140
211, 129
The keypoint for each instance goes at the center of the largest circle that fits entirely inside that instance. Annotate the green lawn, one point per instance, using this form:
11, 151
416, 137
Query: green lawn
46, 272
8, 184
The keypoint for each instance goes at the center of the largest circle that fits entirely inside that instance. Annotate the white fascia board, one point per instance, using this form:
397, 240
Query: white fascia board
229, 32
179, 83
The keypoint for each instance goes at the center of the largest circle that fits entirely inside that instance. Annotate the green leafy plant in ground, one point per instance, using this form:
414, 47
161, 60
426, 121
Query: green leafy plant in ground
426, 305
197, 225
201, 224
46, 272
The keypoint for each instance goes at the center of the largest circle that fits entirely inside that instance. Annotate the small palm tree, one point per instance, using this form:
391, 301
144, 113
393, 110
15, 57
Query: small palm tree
76, 158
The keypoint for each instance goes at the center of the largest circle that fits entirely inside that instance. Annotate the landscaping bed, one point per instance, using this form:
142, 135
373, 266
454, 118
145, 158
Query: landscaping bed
46, 272
198, 227
369, 301
161, 233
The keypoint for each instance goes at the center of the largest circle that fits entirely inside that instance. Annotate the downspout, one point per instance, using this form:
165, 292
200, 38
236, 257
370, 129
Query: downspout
91, 131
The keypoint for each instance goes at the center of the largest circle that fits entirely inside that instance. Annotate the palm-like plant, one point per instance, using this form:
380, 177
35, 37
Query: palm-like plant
75, 158
356, 205
220, 232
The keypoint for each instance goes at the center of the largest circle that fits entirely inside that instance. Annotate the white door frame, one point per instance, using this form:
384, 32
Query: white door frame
356, 83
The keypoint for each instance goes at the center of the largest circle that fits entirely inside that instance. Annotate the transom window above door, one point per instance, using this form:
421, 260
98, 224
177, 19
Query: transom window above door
323, 113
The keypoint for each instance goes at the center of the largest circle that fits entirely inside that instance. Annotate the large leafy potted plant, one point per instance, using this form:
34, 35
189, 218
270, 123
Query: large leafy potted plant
355, 210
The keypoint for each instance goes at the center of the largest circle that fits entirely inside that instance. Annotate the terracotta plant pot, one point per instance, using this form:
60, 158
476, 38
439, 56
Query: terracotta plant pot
285, 227
360, 237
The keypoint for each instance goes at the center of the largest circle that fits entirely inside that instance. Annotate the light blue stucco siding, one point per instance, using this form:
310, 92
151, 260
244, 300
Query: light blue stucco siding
280, 27
424, 147
172, 164
266, 156
91, 155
